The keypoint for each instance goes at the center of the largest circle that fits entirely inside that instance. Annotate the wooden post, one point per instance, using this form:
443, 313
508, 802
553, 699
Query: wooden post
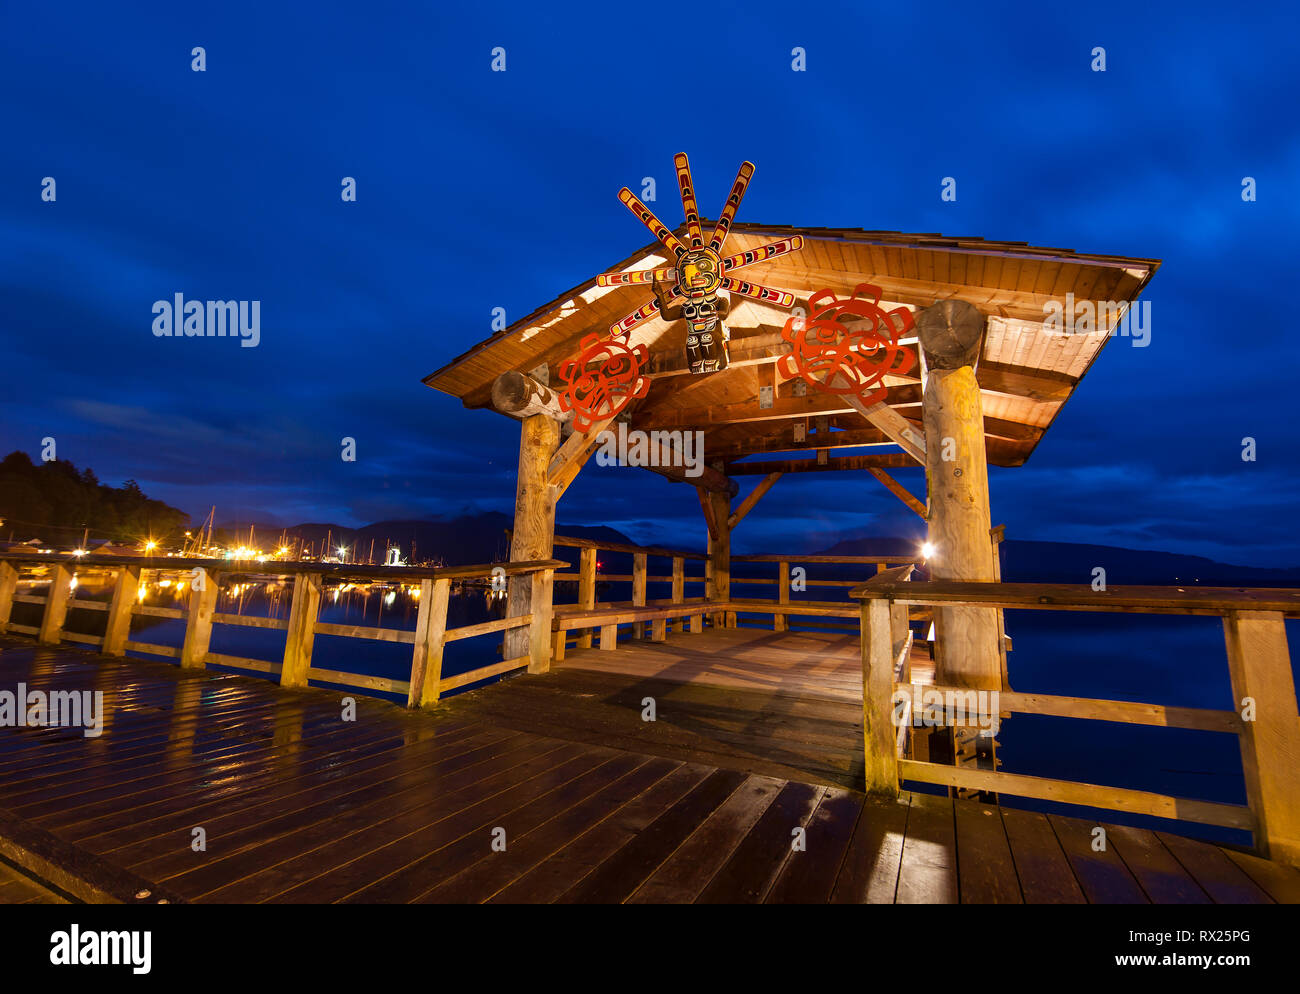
302, 629
951, 334
638, 590
534, 531
118, 629
781, 622
426, 659
998, 535
198, 623
586, 591
539, 635
56, 605
679, 590
880, 742
8, 587
719, 586
1259, 665
609, 637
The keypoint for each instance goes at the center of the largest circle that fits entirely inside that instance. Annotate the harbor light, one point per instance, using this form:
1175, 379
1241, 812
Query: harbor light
78, 552
927, 550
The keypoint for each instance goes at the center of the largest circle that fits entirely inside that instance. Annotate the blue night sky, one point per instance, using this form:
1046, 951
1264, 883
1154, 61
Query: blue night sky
479, 189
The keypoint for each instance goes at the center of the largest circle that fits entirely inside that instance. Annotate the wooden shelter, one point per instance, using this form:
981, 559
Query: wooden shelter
992, 376
1025, 373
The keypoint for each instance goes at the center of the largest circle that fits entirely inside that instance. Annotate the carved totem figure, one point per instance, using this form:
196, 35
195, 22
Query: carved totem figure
689, 289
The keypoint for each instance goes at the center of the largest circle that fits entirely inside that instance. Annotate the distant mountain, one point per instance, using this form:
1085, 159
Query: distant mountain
1067, 562
459, 541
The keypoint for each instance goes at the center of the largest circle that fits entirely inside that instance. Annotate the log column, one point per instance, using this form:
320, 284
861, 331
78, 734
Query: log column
951, 334
534, 531
719, 585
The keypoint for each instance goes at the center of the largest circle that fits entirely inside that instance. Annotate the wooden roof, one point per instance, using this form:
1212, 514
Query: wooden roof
1026, 374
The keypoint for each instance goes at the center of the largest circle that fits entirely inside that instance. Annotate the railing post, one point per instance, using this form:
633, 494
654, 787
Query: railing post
539, 636
302, 630
1259, 665
8, 587
426, 658
586, 590
118, 629
878, 731
679, 590
198, 623
56, 604
638, 593
781, 622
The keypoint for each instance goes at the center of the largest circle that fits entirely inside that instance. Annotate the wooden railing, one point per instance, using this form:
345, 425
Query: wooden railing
1259, 669
782, 608
640, 578
425, 684
645, 617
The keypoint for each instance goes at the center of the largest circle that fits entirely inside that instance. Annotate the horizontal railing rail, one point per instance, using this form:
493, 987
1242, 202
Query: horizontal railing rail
1259, 669
424, 686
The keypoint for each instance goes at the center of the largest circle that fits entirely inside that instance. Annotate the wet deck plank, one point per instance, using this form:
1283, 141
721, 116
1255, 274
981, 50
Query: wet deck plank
597, 805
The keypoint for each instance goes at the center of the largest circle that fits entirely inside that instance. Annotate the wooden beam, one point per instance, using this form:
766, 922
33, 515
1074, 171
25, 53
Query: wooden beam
764, 485
718, 585
679, 588
539, 633
779, 621
301, 635
118, 629
1259, 665
8, 587
638, 589
577, 448
782, 408
707, 507
559, 482
533, 536
426, 658
520, 396
198, 621
967, 647
895, 460
880, 744
56, 605
898, 490
586, 588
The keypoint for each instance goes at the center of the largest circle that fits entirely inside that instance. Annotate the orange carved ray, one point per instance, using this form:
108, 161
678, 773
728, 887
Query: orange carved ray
686, 186
781, 298
729, 209
647, 217
763, 253
636, 277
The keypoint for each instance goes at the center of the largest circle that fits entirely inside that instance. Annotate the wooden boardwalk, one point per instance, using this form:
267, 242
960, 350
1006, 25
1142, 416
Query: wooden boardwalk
596, 805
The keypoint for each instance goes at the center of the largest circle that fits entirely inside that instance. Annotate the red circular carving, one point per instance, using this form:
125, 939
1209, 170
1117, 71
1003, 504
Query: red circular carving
839, 358
602, 380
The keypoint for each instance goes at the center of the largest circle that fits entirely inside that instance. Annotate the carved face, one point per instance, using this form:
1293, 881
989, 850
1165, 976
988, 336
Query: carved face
699, 273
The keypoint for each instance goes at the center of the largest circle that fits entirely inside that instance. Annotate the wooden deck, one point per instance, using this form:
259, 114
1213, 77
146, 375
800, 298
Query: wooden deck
596, 804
